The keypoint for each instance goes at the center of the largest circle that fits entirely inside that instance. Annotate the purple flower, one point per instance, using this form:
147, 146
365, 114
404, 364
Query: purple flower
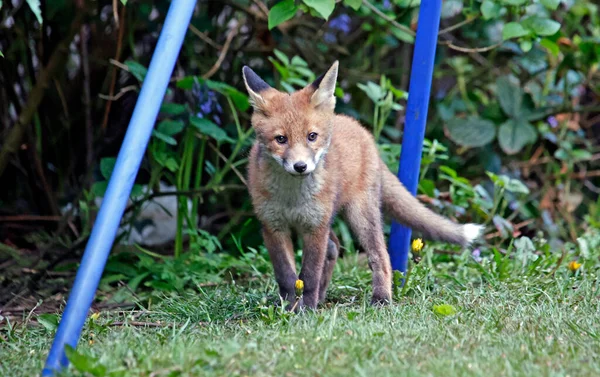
206, 102
387, 4
552, 122
476, 254
329, 37
341, 23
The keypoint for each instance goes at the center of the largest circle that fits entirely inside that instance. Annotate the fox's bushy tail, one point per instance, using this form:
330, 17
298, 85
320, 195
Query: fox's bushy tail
408, 210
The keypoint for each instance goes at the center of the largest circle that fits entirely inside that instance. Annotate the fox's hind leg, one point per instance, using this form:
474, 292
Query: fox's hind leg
333, 248
365, 220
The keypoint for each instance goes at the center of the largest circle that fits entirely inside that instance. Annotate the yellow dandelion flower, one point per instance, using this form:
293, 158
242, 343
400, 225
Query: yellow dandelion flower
299, 285
417, 245
574, 265
95, 316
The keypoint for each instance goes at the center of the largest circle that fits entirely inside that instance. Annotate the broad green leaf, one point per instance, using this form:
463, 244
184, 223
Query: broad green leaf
514, 134
490, 9
34, 5
84, 363
166, 138
471, 132
526, 45
172, 109
444, 310
49, 321
208, 128
354, 4
541, 26
107, 166
550, 46
513, 30
124, 2
550, 4
281, 12
516, 186
99, 188
403, 35
510, 97
136, 69
170, 127
515, 2
323, 7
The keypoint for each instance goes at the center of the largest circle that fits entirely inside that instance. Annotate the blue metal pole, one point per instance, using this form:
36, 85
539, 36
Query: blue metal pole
121, 182
416, 118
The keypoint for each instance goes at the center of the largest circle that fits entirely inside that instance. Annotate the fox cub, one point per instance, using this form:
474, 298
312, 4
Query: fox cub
309, 164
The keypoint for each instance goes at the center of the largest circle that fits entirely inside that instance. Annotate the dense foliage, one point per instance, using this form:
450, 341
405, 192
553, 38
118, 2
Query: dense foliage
512, 137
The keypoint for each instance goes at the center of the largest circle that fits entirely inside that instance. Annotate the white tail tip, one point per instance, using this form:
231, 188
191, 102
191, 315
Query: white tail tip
472, 232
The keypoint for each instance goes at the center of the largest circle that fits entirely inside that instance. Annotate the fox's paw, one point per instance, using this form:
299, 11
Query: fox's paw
381, 297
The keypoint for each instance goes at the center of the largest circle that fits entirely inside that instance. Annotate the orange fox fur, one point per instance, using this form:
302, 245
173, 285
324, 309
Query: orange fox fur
309, 164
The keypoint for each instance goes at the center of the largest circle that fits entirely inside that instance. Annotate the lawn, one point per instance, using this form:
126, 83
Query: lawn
500, 317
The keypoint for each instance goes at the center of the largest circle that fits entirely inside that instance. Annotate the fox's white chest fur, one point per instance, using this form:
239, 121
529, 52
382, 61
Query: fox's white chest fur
292, 202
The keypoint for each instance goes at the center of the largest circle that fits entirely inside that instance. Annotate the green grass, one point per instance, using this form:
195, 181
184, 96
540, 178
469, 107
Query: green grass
525, 325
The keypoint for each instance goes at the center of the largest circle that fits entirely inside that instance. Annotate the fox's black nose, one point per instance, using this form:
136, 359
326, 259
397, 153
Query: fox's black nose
300, 167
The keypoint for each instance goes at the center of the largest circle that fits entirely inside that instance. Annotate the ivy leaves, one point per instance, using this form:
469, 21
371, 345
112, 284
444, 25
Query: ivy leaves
513, 133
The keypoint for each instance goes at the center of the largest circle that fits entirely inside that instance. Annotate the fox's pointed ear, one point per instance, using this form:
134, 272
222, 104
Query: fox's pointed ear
255, 85
324, 89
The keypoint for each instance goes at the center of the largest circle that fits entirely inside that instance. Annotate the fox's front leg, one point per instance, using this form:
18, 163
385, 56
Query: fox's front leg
281, 250
313, 261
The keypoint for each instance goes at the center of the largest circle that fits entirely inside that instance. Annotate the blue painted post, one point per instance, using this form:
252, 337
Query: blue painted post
416, 118
121, 182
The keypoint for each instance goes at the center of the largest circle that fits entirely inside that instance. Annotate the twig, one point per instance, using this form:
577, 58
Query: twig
373, 8
235, 170
204, 37
515, 228
113, 80
223, 53
465, 49
87, 101
120, 94
456, 26
115, 7
139, 324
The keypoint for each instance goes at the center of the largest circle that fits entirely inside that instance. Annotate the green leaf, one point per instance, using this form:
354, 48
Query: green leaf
208, 128
550, 4
281, 56
514, 134
281, 12
526, 45
471, 132
514, 2
490, 9
99, 188
541, 26
166, 138
170, 127
513, 30
136, 69
444, 310
84, 363
510, 97
1, 54
516, 186
323, 7
49, 321
107, 165
172, 109
124, 2
354, 4
550, 46
34, 5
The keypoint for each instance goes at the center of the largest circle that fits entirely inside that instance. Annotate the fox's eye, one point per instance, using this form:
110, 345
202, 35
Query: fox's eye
281, 139
312, 136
